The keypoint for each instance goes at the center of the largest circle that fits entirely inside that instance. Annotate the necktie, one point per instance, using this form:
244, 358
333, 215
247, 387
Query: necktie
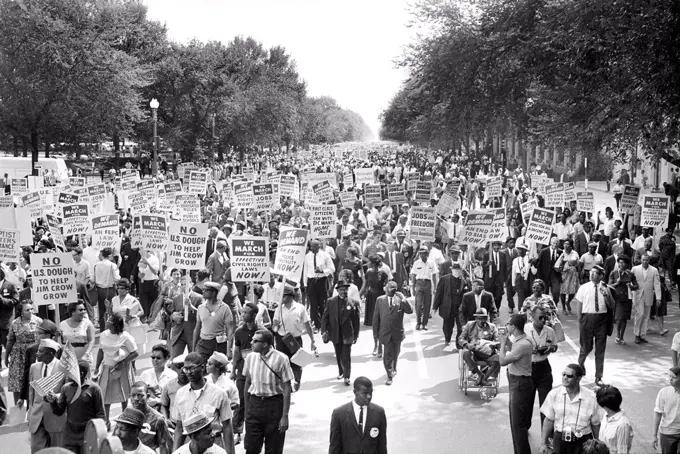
45, 370
597, 297
553, 255
361, 419
394, 261
498, 262
315, 262
454, 230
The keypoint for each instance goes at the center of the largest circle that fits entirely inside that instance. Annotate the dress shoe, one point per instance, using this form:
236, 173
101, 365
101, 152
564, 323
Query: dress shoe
637, 339
237, 439
617, 340
380, 354
599, 383
424, 328
347, 383
511, 310
389, 381
664, 332
643, 340
375, 351
394, 372
417, 327
340, 376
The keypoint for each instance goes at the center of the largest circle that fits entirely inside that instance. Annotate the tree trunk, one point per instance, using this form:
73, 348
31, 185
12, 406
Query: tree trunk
24, 151
15, 140
47, 148
34, 152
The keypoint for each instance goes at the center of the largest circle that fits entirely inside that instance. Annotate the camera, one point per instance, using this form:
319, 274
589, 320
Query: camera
502, 330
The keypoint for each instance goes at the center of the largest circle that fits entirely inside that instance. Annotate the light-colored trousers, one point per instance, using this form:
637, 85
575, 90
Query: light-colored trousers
641, 319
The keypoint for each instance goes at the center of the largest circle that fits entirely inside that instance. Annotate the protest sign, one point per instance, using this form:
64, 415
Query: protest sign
54, 227
477, 228
493, 187
423, 222
187, 245
249, 259
287, 184
47, 199
172, 188
128, 175
364, 176
314, 178
540, 226
33, 202
243, 193
66, 198
135, 233
9, 245
198, 182
585, 201
411, 179
263, 196
629, 198
148, 190
348, 180
35, 182
654, 211
323, 221
447, 203
396, 194
423, 192
19, 186
554, 195
128, 186
348, 198
323, 191
187, 208
136, 202
372, 195
569, 192
75, 219
77, 182
105, 231
54, 280
290, 254
96, 194
527, 206
154, 233
6, 201
249, 173
499, 227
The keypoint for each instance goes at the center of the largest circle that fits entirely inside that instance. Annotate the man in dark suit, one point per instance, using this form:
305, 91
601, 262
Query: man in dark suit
211, 244
622, 241
510, 253
448, 298
602, 246
495, 267
340, 325
218, 262
650, 250
475, 299
406, 249
388, 326
395, 260
359, 426
582, 238
545, 266
46, 330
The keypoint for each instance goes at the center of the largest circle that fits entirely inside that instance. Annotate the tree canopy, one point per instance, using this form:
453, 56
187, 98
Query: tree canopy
84, 71
584, 75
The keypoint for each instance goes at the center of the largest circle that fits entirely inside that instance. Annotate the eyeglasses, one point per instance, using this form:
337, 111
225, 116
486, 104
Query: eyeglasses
190, 369
541, 317
568, 375
157, 357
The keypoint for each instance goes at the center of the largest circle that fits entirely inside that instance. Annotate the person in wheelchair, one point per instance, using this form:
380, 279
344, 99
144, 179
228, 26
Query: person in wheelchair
479, 340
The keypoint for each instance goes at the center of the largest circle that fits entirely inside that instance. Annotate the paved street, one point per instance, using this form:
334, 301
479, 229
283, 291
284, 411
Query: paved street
426, 411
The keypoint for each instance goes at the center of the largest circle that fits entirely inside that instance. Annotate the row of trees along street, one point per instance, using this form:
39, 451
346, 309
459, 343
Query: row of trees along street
598, 77
84, 71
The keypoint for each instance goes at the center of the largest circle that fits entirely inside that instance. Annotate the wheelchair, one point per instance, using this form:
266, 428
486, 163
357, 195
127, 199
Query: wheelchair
466, 380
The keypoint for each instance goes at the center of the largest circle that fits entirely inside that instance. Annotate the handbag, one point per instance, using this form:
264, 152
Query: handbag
559, 331
288, 339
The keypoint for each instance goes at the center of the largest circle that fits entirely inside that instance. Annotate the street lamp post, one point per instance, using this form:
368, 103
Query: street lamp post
154, 111
212, 142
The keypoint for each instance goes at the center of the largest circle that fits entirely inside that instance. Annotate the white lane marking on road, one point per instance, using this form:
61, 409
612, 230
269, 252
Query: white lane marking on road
572, 344
422, 367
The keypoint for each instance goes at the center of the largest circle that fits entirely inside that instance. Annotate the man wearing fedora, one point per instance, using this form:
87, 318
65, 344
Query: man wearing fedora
202, 441
448, 299
340, 325
359, 426
129, 424
388, 326
44, 426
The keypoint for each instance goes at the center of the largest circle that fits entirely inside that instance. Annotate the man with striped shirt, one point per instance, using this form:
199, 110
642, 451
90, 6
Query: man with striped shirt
267, 398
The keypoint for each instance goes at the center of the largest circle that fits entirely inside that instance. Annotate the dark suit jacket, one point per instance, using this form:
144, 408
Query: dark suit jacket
509, 257
39, 410
9, 299
210, 247
580, 243
627, 248
346, 437
341, 323
609, 264
216, 268
449, 295
470, 306
654, 256
406, 249
546, 265
400, 275
388, 322
491, 275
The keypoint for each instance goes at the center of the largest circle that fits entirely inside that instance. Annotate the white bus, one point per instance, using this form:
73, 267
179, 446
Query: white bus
21, 167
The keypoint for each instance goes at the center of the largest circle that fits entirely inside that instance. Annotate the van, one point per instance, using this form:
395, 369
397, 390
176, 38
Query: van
21, 167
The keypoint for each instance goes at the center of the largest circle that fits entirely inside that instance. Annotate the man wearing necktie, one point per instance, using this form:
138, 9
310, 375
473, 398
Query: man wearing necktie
510, 253
340, 325
545, 267
318, 266
594, 308
495, 269
359, 426
44, 426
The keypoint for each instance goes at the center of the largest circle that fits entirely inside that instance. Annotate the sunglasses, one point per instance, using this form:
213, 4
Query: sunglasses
568, 375
541, 317
157, 357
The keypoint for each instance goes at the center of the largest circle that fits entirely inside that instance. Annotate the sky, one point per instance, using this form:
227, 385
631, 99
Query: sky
345, 49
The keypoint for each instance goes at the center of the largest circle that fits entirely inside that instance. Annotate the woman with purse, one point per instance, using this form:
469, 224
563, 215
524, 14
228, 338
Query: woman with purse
539, 298
117, 350
567, 264
623, 281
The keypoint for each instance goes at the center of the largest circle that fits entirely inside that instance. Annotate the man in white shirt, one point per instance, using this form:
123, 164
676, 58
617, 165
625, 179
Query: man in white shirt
424, 277
318, 267
81, 267
149, 267
520, 274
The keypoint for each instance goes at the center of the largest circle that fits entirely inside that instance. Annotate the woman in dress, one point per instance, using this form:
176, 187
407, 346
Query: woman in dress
124, 303
568, 264
373, 287
79, 330
117, 350
171, 289
22, 334
616, 431
353, 263
623, 281
539, 298
262, 317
